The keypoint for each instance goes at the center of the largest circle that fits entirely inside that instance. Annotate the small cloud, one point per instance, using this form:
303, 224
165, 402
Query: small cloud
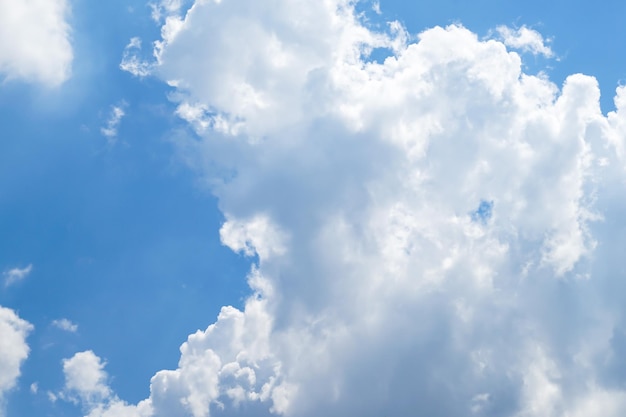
65, 324
113, 123
479, 403
85, 379
165, 8
376, 7
34, 388
525, 39
52, 397
131, 61
16, 274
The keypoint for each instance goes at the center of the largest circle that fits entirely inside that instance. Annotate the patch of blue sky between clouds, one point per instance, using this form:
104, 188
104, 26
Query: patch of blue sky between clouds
483, 213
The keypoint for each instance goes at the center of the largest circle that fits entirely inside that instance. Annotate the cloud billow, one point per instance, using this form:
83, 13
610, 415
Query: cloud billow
13, 351
378, 289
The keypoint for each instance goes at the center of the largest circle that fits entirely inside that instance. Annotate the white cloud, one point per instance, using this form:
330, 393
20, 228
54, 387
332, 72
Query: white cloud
115, 118
13, 350
65, 324
131, 62
37, 41
376, 7
85, 378
165, 8
525, 39
14, 275
86, 382
253, 236
378, 290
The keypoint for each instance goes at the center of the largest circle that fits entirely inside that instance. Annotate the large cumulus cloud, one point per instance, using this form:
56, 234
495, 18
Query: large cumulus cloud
13, 350
35, 43
438, 234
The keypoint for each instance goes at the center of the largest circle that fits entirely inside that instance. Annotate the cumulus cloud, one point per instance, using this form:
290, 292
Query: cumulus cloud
14, 275
36, 46
86, 382
436, 234
85, 377
66, 325
13, 350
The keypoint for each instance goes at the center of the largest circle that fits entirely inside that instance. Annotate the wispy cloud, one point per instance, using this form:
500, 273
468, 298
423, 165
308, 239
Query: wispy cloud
131, 62
376, 7
111, 127
525, 39
16, 274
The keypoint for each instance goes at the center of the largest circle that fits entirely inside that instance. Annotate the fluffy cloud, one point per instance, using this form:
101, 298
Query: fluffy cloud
438, 234
37, 41
86, 382
13, 350
85, 377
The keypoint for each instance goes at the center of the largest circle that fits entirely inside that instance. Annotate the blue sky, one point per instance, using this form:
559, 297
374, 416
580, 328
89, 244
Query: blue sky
121, 239
250, 169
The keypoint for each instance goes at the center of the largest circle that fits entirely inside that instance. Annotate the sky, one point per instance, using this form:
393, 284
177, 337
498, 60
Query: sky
293, 208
